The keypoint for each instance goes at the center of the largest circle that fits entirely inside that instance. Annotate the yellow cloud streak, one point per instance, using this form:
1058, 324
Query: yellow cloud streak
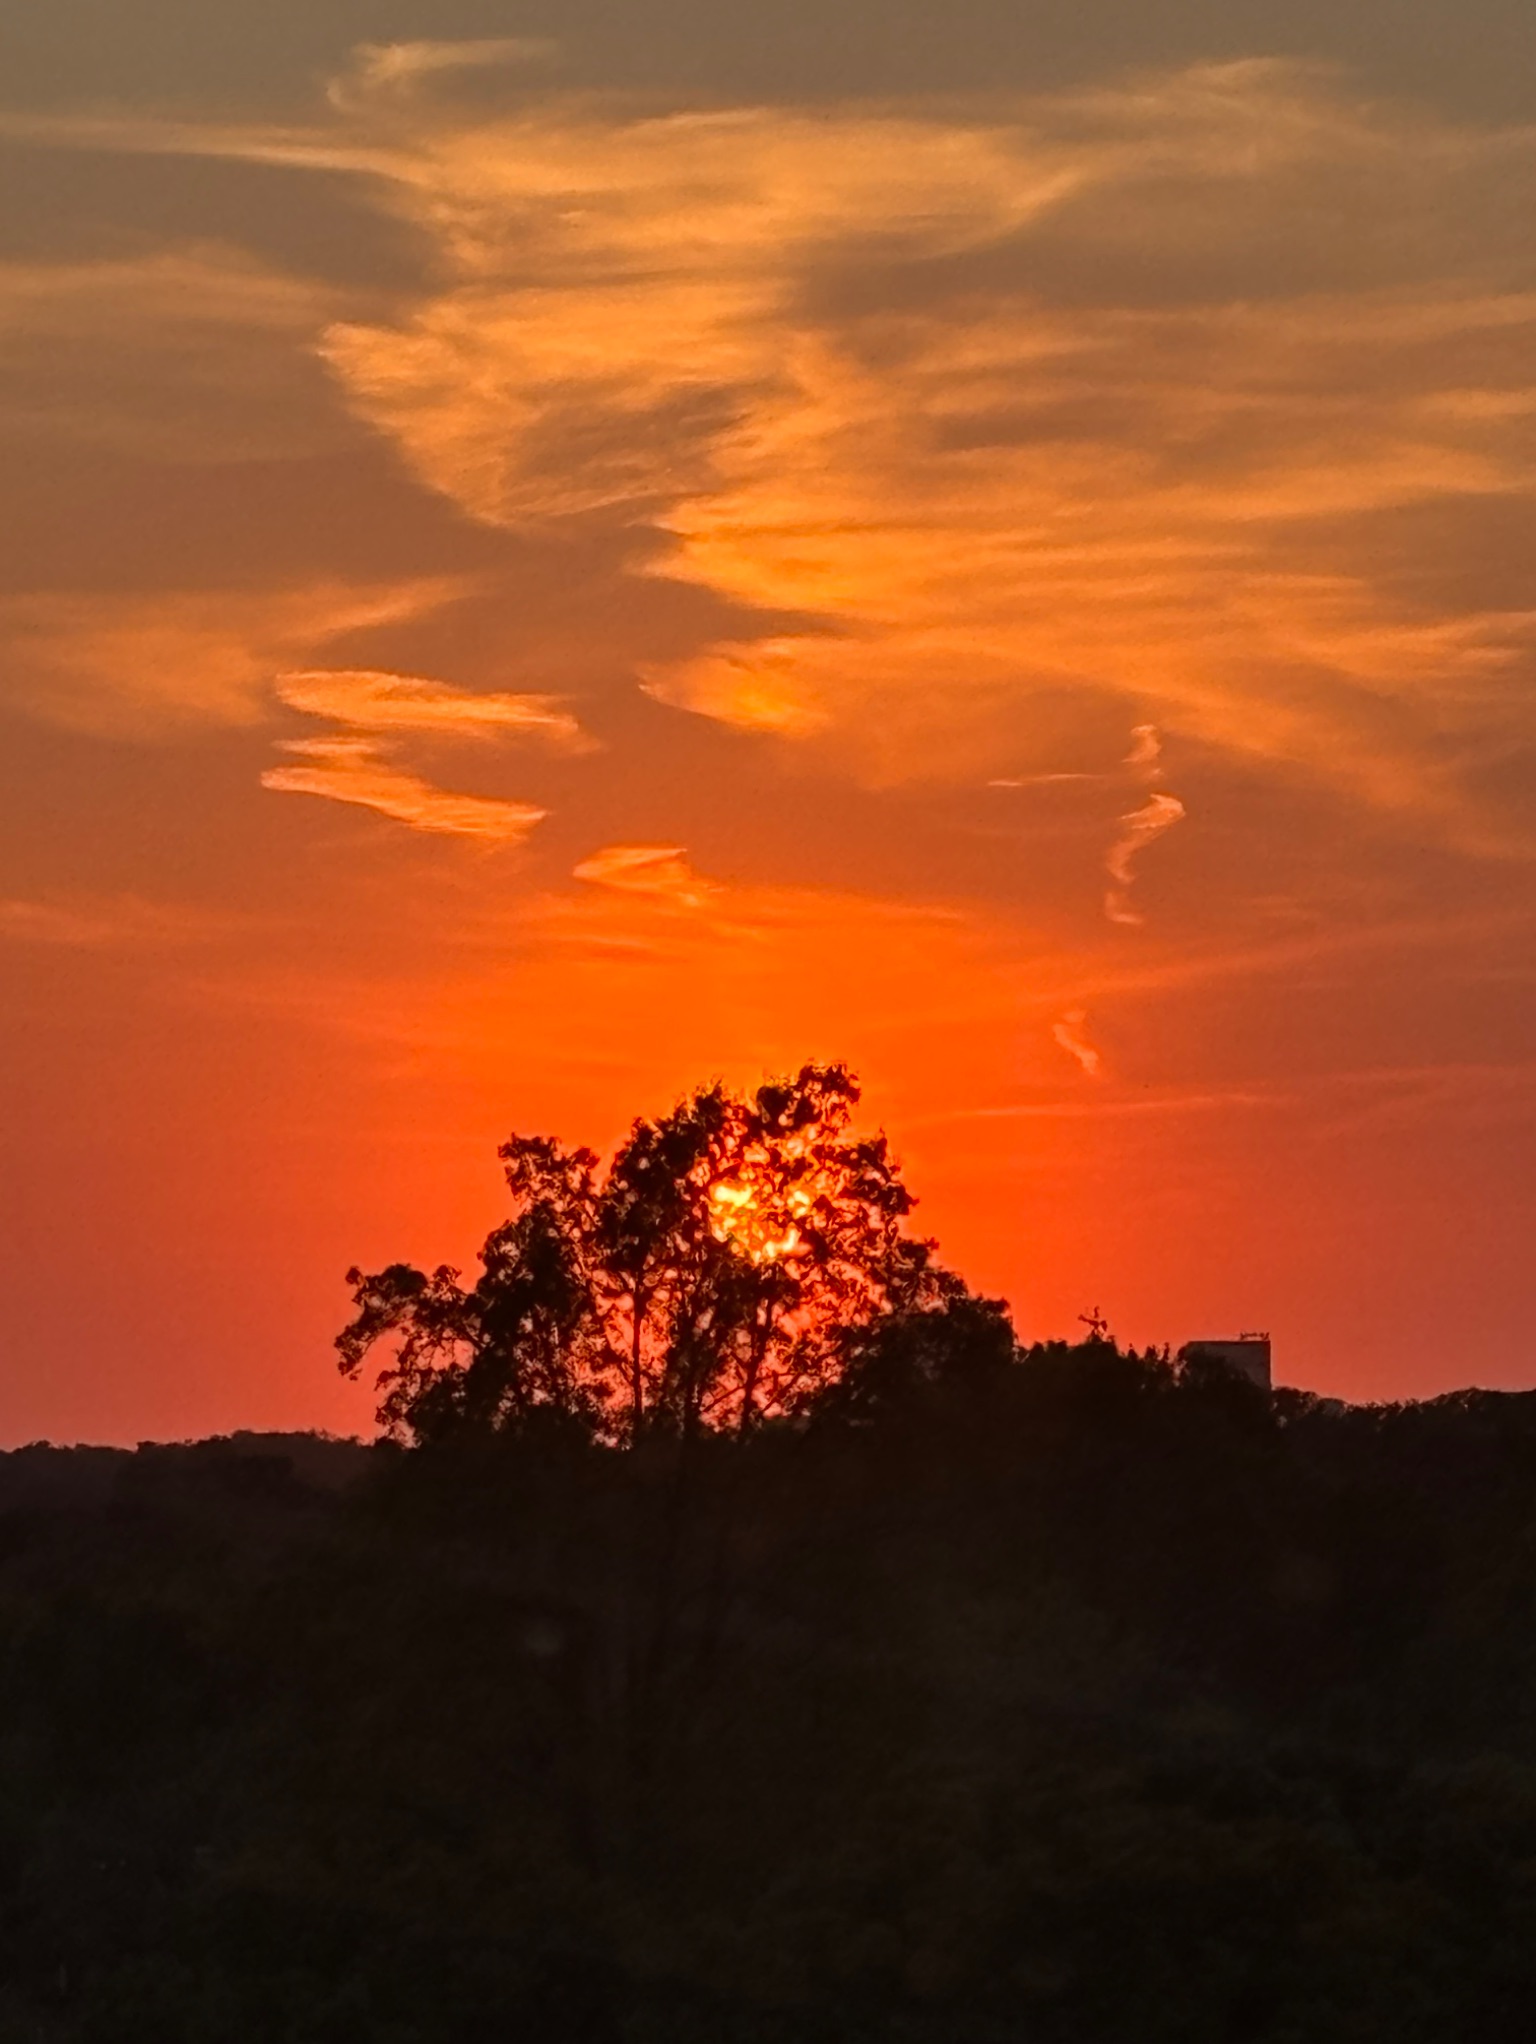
1107, 391
882, 369
349, 770
385, 706
661, 872
371, 700
1139, 828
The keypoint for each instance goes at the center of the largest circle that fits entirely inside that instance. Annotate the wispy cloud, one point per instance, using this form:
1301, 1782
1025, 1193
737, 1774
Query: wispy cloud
136, 664
1141, 826
194, 353
351, 770
661, 872
372, 700
99, 923
398, 67
971, 389
1071, 1033
1117, 1107
1040, 780
378, 708
1191, 396
1138, 829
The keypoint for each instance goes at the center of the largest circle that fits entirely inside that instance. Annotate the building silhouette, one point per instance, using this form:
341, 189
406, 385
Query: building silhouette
1246, 1355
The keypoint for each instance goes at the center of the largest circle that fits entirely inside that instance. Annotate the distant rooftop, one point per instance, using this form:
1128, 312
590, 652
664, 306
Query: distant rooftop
1247, 1354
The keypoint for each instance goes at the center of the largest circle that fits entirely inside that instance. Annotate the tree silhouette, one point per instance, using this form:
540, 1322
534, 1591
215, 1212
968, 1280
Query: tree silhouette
715, 1275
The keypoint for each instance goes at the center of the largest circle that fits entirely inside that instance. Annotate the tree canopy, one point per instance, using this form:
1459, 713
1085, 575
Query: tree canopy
1057, 1694
720, 1271
1050, 1692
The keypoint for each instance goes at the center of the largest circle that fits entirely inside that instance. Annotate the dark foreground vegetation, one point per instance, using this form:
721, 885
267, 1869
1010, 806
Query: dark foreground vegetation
1054, 1697
740, 1640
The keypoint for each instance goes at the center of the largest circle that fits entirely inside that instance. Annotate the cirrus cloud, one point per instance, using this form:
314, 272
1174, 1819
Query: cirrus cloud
373, 700
1127, 392
351, 770
400, 67
378, 708
1070, 1032
133, 665
660, 872
1196, 394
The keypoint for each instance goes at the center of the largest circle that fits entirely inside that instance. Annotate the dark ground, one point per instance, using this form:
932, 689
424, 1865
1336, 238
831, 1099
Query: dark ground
1061, 1701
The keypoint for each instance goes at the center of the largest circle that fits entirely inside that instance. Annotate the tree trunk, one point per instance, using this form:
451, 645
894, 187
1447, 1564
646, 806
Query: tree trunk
639, 1303
755, 1357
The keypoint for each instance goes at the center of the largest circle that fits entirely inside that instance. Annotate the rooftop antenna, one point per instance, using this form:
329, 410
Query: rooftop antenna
1096, 1324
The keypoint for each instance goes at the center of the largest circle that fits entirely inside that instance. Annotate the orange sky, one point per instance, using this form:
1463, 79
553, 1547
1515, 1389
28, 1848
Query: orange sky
531, 580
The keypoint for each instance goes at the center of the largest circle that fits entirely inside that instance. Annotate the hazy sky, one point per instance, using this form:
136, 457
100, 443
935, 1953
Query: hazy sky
554, 552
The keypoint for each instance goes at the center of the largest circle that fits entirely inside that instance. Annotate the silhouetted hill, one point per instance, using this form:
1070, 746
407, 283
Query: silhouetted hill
1062, 1696
42, 1477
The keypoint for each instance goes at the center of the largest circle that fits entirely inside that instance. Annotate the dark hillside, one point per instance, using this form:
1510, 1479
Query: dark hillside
1059, 1697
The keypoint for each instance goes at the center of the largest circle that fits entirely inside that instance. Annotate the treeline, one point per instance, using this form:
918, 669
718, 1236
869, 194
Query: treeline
1052, 1694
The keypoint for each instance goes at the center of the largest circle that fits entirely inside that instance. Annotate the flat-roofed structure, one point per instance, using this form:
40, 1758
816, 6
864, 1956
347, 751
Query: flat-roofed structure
1247, 1355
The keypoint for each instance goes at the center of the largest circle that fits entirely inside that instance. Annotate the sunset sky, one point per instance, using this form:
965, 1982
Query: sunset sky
555, 551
